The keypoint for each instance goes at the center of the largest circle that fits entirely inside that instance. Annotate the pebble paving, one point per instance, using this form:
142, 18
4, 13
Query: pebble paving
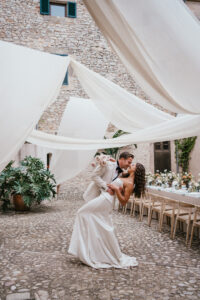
34, 263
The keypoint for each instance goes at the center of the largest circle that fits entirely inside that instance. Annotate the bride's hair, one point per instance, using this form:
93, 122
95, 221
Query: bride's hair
139, 181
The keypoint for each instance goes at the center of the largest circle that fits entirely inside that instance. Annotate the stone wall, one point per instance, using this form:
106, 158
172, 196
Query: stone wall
194, 6
22, 23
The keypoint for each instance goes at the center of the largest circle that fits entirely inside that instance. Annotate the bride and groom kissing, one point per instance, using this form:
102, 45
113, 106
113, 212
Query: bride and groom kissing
93, 239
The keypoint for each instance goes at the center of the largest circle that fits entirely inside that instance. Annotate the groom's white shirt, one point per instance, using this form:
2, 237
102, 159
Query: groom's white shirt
101, 176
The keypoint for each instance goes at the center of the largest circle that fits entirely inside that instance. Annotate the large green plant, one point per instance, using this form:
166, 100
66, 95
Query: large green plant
183, 149
114, 151
31, 180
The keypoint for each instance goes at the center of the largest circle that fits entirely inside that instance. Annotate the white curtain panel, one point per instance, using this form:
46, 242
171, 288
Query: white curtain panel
29, 81
123, 109
159, 43
81, 119
170, 130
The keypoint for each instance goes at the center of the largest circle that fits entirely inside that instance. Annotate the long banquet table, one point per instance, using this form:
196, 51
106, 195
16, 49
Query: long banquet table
179, 195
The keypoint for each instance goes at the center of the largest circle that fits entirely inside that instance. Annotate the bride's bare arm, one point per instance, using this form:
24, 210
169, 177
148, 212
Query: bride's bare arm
123, 198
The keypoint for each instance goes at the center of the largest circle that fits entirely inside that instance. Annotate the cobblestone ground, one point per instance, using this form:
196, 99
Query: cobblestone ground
34, 263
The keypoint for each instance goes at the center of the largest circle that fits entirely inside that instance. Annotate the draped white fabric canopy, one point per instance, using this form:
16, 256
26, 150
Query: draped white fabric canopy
170, 130
127, 112
123, 109
159, 43
81, 119
29, 81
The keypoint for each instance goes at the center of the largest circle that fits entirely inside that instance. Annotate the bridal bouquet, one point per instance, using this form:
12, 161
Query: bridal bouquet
102, 160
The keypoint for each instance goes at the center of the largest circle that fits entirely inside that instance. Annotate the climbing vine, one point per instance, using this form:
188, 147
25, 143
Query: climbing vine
183, 149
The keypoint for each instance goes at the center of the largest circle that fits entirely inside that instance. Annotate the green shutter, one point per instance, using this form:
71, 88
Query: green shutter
71, 9
65, 81
44, 7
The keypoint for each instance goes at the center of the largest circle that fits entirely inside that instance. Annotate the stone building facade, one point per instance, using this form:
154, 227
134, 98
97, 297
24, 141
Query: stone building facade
22, 24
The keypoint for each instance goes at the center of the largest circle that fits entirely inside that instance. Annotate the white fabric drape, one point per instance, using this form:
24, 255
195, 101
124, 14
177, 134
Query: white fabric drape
81, 119
159, 43
123, 109
170, 130
29, 81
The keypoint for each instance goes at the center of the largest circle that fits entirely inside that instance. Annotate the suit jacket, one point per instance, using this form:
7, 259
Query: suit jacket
100, 177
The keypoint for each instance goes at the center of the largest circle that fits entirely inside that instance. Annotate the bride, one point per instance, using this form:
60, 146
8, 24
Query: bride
93, 239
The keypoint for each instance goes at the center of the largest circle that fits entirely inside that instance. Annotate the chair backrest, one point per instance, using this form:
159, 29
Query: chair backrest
185, 208
196, 213
138, 199
157, 200
147, 195
170, 202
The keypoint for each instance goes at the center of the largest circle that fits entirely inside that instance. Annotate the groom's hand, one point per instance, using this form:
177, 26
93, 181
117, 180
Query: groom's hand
112, 159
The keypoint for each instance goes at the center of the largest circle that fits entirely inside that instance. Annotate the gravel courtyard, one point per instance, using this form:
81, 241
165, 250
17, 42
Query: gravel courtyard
34, 263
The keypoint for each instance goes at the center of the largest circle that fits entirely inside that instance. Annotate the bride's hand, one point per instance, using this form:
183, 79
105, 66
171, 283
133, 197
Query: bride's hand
112, 187
111, 192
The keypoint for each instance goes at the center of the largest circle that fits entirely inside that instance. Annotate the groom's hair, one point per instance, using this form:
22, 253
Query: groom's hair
126, 155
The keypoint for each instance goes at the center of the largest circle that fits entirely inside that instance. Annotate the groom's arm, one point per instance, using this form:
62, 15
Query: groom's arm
96, 177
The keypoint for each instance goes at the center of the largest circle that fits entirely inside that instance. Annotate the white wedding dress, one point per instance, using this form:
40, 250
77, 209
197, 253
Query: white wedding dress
93, 239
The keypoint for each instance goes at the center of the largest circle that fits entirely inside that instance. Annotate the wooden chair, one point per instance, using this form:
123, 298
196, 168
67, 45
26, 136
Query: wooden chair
131, 202
146, 204
138, 202
170, 209
156, 206
184, 214
196, 222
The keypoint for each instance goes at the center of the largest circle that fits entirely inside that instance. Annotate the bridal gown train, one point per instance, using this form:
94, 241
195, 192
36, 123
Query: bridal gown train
93, 239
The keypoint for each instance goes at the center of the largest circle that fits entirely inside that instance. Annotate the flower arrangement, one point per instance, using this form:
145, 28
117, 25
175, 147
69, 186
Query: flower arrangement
171, 176
171, 179
186, 178
150, 180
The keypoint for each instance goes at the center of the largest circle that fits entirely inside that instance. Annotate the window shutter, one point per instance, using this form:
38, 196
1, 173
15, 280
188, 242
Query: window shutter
71, 9
65, 81
44, 7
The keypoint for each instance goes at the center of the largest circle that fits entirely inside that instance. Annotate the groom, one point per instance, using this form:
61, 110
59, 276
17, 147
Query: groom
104, 175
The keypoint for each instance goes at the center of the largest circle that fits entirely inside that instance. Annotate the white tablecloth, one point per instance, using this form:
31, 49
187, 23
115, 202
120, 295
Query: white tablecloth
179, 195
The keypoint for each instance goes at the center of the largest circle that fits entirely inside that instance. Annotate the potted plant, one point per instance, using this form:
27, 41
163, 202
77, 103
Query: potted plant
28, 184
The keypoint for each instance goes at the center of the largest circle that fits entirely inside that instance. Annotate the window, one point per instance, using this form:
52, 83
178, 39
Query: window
165, 145
49, 156
162, 146
162, 156
65, 81
157, 146
58, 8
